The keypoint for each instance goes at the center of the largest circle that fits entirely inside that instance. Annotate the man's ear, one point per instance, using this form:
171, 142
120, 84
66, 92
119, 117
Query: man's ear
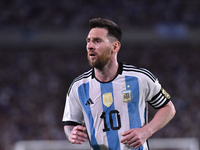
116, 46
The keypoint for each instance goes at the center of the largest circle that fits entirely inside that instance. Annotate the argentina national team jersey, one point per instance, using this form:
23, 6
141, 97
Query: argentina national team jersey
109, 109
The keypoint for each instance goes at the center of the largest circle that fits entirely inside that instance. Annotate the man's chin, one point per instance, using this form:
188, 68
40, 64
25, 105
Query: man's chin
91, 63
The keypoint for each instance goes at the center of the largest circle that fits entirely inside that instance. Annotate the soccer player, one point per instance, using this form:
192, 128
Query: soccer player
107, 104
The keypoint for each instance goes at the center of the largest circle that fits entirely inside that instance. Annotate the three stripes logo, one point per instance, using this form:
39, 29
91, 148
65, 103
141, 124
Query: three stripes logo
89, 101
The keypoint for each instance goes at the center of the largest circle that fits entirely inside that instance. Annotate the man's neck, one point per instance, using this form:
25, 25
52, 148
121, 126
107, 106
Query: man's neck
108, 73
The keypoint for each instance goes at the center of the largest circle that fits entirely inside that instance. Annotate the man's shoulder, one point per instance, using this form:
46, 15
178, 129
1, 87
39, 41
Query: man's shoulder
132, 68
137, 71
83, 78
85, 75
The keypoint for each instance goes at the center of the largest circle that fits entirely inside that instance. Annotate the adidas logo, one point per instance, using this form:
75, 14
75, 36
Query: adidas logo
89, 102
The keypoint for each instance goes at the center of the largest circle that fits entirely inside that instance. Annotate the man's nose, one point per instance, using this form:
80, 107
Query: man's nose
90, 46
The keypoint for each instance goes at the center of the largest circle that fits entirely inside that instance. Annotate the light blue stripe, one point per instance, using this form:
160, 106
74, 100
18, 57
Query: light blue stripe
133, 106
112, 135
83, 92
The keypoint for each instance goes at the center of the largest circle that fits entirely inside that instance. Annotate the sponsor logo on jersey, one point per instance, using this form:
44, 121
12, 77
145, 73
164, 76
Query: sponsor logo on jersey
107, 99
89, 102
127, 96
165, 93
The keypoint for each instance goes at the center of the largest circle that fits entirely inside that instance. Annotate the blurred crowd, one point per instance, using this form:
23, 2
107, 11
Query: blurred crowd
33, 86
34, 83
67, 13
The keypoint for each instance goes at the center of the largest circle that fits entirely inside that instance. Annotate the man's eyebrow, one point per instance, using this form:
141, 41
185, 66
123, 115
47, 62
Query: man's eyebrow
95, 38
88, 38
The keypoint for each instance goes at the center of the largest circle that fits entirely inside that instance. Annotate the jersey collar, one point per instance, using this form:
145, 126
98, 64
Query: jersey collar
119, 71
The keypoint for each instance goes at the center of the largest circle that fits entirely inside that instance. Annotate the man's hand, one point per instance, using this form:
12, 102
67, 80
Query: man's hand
77, 135
135, 137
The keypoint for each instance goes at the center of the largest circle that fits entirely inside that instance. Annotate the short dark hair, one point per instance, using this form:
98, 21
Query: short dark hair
112, 27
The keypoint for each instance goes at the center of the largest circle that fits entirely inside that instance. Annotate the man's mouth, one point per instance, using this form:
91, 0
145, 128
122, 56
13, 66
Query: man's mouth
92, 55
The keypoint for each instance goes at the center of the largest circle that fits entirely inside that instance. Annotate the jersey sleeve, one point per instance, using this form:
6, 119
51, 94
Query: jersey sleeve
73, 111
156, 96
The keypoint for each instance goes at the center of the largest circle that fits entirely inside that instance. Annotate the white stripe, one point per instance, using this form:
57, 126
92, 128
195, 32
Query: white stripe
157, 99
161, 103
142, 70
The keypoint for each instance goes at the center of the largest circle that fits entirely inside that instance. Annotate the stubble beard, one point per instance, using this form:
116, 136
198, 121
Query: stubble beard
99, 62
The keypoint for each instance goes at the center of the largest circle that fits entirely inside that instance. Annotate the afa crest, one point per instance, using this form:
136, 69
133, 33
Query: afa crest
127, 96
107, 99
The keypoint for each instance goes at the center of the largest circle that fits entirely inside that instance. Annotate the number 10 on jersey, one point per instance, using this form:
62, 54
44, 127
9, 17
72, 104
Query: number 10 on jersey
113, 112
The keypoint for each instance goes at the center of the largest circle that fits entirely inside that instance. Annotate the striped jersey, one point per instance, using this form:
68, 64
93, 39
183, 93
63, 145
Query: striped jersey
108, 109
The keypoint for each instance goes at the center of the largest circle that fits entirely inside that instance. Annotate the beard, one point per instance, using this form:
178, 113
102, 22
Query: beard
99, 61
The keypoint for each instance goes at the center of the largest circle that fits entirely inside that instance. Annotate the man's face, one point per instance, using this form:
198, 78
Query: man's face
99, 47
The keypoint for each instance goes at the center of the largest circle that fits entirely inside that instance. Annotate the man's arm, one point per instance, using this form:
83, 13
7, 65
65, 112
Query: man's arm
75, 134
161, 118
136, 137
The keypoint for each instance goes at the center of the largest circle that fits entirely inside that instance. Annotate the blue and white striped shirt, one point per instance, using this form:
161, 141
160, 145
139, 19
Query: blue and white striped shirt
109, 109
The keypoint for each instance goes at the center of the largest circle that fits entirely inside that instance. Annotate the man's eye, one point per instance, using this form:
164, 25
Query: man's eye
98, 41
